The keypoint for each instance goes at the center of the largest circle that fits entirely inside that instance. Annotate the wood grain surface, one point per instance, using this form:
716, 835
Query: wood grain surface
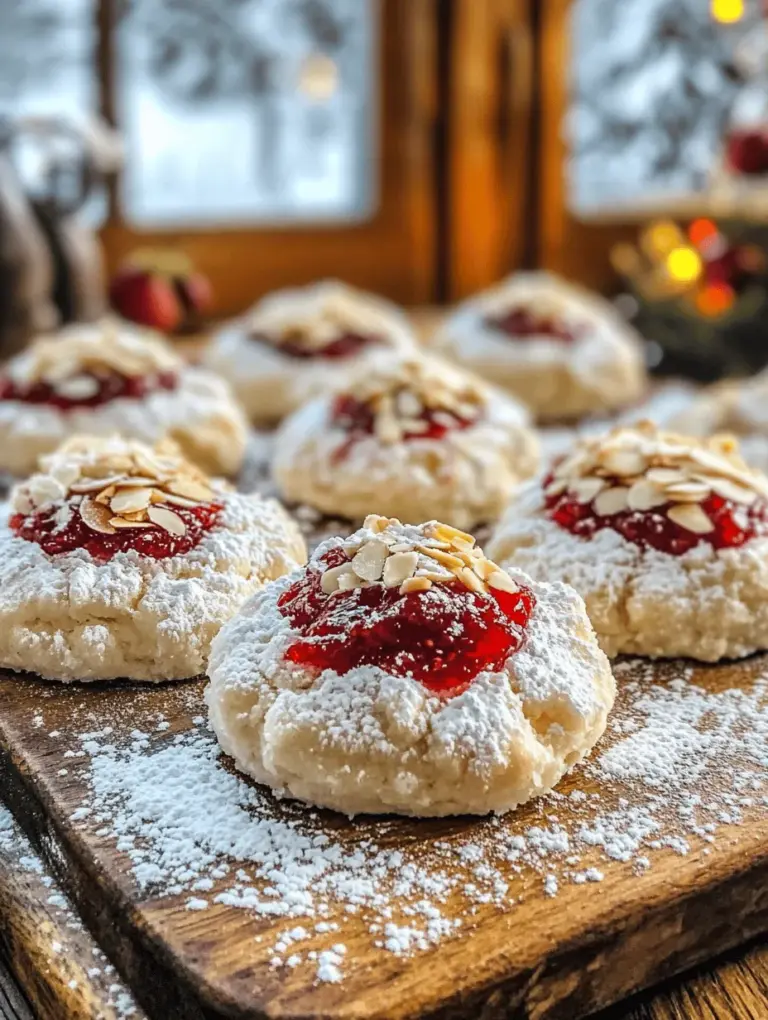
59, 973
735, 988
558, 957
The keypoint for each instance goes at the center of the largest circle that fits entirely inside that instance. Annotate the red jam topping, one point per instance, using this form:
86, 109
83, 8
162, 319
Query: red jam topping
734, 524
154, 542
111, 386
521, 324
344, 346
358, 418
444, 637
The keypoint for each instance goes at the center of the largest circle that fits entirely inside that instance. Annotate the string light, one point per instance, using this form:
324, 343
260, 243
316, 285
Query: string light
727, 11
661, 237
684, 264
700, 231
715, 299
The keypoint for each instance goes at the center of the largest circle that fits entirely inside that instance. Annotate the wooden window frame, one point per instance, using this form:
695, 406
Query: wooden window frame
394, 252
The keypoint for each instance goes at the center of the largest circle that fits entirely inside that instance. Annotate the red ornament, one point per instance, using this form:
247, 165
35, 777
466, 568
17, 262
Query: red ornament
146, 299
747, 152
161, 290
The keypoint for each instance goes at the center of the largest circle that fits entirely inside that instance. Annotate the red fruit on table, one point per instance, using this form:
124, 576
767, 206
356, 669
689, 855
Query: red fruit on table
145, 298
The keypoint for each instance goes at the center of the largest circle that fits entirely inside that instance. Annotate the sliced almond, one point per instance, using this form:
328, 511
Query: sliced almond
133, 482
644, 495
106, 494
624, 462
611, 501
451, 534
438, 576
348, 580
470, 579
413, 584
95, 484
329, 582
375, 522
190, 488
169, 497
691, 517
446, 558
136, 515
399, 567
167, 519
501, 580
128, 500
730, 490
665, 476
148, 464
96, 516
556, 487
387, 429
687, 492
586, 489
122, 522
369, 561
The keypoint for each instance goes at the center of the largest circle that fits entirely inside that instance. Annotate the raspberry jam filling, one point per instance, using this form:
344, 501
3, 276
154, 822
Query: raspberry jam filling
359, 419
157, 543
443, 637
106, 386
344, 346
733, 524
521, 324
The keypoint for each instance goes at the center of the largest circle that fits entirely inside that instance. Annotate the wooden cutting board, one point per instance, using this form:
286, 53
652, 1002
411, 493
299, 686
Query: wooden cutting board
639, 866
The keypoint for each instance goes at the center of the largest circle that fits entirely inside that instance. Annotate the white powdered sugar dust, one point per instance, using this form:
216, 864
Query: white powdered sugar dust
678, 763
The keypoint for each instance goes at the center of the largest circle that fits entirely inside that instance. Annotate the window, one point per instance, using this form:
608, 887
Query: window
248, 111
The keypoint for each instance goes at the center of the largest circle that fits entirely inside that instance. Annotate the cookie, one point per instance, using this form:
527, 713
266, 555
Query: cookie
402, 671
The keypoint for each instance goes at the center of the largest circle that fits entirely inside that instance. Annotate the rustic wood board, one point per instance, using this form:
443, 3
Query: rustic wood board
63, 973
612, 926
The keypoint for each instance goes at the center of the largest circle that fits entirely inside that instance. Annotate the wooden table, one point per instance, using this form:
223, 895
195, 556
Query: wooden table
40, 986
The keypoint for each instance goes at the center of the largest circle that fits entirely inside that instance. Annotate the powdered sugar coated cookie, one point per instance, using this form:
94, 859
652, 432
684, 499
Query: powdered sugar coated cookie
404, 672
120, 561
413, 438
111, 377
665, 537
563, 351
300, 342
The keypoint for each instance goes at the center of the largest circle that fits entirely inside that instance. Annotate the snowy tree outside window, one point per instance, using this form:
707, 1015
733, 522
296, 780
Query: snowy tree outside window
247, 111
655, 84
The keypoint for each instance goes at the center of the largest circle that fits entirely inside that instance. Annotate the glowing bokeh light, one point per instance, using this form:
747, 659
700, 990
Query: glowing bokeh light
727, 11
684, 264
701, 231
715, 299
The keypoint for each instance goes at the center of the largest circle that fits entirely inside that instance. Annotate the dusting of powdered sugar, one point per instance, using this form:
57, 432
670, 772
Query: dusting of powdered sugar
678, 763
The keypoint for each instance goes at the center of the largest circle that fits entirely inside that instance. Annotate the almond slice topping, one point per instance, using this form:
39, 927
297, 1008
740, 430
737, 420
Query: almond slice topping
167, 519
611, 501
368, 563
691, 517
399, 567
96, 516
128, 500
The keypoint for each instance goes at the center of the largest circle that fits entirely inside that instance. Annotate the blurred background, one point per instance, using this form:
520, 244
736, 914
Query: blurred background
418, 148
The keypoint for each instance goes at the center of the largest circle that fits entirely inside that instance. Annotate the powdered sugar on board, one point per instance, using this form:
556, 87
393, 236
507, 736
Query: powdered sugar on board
680, 765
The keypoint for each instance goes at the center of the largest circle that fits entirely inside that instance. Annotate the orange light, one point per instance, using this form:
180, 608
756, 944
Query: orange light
715, 299
727, 11
661, 237
684, 264
701, 230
